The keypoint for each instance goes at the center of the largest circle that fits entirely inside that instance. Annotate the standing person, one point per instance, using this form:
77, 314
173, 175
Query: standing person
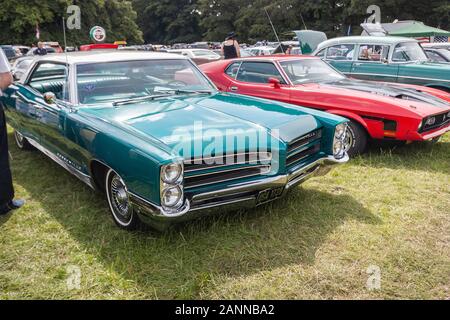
289, 50
40, 51
6, 187
230, 48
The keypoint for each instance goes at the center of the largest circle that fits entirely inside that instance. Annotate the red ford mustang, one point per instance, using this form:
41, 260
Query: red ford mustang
382, 111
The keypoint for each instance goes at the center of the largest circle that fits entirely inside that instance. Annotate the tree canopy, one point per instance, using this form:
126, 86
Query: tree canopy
169, 21
20, 18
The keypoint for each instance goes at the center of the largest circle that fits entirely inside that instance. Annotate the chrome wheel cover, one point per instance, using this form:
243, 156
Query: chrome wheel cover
349, 140
118, 198
19, 139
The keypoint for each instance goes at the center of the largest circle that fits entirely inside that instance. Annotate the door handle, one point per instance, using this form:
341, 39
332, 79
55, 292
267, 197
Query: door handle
357, 64
234, 89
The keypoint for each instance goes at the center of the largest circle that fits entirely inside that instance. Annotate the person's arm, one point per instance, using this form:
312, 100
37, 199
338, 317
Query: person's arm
238, 49
5, 72
6, 80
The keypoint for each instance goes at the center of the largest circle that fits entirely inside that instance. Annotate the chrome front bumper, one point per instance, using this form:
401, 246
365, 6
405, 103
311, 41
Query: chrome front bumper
240, 195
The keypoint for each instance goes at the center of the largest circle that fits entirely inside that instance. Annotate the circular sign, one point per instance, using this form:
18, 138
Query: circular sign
98, 34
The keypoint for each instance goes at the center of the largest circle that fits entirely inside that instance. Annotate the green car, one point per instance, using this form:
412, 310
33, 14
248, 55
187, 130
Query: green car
153, 133
390, 59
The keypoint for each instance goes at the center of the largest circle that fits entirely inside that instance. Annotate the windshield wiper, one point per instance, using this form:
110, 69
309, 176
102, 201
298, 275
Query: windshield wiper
138, 99
182, 91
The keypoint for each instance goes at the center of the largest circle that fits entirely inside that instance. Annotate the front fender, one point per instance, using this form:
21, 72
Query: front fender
351, 116
137, 161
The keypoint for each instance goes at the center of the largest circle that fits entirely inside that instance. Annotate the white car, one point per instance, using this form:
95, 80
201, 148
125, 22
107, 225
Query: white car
261, 51
199, 56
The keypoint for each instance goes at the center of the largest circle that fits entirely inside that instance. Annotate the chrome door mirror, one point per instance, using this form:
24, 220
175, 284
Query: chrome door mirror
17, 75
49, 98
385, 61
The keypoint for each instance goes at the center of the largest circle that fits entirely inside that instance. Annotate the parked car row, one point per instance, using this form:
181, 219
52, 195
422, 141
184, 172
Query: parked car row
139, 126
168, 141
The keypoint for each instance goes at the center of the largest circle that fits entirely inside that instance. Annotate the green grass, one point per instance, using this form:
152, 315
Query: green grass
389, 208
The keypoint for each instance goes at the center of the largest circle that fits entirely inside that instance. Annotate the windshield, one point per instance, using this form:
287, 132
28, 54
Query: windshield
9, 52
113, 81
310, 70
409, 51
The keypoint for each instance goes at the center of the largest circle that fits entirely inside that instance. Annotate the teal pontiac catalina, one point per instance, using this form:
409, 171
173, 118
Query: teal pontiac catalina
390, 59
153, 133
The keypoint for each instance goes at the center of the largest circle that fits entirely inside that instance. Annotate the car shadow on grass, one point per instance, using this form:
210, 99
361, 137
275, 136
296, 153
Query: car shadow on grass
421, 156
182, 262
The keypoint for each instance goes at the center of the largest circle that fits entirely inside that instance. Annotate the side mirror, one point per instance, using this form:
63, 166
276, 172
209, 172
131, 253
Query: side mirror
16, 75
385, 61
49, 98
275, 82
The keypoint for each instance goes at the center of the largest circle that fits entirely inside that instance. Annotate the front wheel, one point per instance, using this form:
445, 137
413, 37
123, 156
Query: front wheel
119, 203
21, 142
356, 142
436, 140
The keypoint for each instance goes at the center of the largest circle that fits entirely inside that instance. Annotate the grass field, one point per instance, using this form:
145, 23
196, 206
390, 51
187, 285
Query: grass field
389, 209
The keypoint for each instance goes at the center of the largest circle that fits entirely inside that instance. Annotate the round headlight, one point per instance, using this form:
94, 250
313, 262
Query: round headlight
431, 121
341, 130
171, 173
171, 197
338, 149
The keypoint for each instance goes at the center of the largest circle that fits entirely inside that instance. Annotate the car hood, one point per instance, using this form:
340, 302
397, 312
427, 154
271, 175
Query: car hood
414, 101
201, 119
427, 70
389, 90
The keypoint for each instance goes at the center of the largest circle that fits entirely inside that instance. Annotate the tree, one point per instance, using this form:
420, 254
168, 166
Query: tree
168, 21
19, 19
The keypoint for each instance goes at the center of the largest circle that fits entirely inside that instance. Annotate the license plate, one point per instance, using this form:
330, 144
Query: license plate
269, 195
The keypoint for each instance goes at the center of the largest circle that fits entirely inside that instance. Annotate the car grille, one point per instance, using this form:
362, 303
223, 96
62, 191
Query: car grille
215, 170
441, 120
303, 148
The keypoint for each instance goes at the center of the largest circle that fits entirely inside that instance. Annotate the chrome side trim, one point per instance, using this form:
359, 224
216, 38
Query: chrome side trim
394, 76
80, 175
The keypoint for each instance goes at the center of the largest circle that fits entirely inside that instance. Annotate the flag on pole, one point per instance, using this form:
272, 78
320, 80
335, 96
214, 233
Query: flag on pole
38, 32
441, 39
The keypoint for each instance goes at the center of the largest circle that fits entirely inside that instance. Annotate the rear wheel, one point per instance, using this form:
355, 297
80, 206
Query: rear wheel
22, 142
356, 142
119, 203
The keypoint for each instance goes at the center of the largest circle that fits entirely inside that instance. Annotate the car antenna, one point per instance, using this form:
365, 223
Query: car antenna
303, 20
65, 52
274, 31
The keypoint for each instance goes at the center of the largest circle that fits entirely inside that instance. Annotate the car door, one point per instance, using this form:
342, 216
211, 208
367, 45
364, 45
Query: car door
252, 78
372, 63
340, 56
24, 106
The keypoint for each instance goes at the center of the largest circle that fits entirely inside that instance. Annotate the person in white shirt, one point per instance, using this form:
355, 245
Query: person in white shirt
7, 202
